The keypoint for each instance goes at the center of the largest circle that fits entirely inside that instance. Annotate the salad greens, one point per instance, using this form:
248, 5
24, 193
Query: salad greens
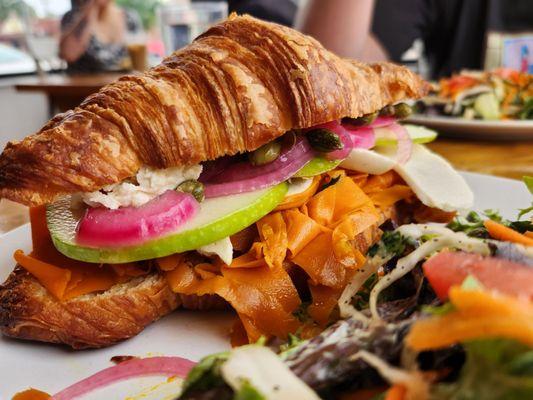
206, 374
495, 369
491, 369
528, 180
391, 242
248, 392
473, 226
527, 110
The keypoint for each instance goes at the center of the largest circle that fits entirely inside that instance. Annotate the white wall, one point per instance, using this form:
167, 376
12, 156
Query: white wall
21, 114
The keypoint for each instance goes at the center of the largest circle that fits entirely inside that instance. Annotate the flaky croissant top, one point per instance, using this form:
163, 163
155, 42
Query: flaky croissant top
239, 85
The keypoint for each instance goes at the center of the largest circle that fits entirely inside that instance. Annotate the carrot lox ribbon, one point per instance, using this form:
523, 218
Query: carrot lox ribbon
63, 277
396, 392
502, 232
477, 314
326, 236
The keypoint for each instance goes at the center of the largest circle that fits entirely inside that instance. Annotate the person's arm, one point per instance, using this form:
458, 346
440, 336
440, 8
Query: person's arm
76, 35
342, 26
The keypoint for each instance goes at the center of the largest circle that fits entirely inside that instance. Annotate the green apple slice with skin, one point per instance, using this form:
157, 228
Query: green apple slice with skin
316, 166
418, 134
218, 218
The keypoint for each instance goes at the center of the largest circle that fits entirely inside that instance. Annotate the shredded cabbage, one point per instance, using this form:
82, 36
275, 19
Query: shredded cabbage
417, 388
445, 238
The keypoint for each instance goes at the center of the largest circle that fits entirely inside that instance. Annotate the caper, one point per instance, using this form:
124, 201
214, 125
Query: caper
402, 110
193, 187
388, 111
366, 119
265, 154
324, 140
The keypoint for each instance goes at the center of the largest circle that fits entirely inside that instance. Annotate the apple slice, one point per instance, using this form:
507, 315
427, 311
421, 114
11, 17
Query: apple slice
216, 219
418, 134
316, 166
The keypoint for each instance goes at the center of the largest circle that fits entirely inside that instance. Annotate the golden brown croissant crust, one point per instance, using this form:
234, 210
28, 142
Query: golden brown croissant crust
28, 311
239, 85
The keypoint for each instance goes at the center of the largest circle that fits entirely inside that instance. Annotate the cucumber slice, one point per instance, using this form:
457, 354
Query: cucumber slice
217, 218
317, 166
418, 134
488, 106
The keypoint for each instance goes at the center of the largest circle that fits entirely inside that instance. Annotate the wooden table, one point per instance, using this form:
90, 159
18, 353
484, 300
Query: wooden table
507, 159
511, 160
65, 91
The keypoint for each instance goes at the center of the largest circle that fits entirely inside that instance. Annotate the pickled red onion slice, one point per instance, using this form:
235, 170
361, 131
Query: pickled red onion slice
405, 144
128, 226
164, 366
244, 177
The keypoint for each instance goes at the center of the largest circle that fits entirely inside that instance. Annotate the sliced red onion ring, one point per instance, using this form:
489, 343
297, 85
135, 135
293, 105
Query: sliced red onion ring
212, 169
245, 170
345, 138
165, 366
362, 137
405, 144
381, 122
128, 226
259, 177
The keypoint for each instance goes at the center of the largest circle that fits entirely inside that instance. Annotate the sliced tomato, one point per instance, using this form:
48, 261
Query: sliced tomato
447, 269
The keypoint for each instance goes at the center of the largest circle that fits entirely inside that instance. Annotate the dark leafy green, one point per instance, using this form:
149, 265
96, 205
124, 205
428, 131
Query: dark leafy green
324, 361
438, 310
360, 300
528, 180
391, 243
301, 312
495, 369
473, 226
293, 341
527, 111
205, 375
248, 392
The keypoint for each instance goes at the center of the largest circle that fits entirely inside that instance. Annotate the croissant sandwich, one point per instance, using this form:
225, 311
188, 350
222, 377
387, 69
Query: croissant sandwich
251, 170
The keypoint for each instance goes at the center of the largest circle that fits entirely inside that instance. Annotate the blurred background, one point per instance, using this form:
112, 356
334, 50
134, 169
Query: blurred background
54, 53
67, 49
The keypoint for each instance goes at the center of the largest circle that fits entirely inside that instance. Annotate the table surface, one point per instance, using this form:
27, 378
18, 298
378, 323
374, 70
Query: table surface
511, 160
65, 84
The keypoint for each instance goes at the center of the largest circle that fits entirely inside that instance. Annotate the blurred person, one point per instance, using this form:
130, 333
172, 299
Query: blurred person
94, 35
454, 32
280, 11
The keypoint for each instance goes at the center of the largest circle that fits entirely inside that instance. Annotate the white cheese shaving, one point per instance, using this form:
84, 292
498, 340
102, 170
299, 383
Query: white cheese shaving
432, 178
221, 248
264, 370
151, 183
346, 308
368, 161
434, 181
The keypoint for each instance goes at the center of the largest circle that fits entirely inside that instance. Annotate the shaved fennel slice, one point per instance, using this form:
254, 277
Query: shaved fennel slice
417, 387
446, 238
371, 266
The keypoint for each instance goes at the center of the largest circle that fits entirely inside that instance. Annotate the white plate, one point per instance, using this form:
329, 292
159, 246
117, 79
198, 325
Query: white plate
476, 129
187, 334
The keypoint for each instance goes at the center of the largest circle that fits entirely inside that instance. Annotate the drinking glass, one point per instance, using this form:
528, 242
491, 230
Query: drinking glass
182, 21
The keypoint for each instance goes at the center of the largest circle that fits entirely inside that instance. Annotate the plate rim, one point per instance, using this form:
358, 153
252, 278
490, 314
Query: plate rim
472, 122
